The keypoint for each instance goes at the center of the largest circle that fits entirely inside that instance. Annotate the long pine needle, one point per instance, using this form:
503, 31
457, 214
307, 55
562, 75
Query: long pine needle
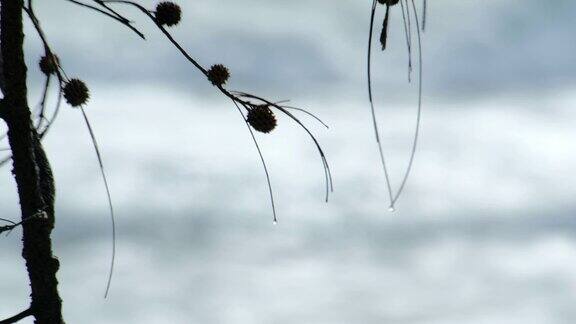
109, 196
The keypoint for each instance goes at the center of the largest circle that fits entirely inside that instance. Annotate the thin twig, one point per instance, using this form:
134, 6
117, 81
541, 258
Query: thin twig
164, 31
47, 50
54, 115
7, 221
18, 317
114, 15
61, 79
8, 228
42, 133
329, 185
42, 103
59, 73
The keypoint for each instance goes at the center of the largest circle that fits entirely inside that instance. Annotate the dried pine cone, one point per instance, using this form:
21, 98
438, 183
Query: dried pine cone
218, 74
168, 13
76, 92
261, 118
49, 64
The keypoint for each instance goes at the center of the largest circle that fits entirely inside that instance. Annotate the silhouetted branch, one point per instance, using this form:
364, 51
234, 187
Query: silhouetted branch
164, 31
51, 120
42, 104
112, 14
13, 225
47, 50
59, 73
8, 228
327, 173
236, 97
18, 317
62, 81
31, 170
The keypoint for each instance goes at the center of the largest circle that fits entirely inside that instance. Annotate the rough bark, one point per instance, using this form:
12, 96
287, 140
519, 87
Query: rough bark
31, 171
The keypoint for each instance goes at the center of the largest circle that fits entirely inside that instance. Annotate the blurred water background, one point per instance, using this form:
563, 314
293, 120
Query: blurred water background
485, 232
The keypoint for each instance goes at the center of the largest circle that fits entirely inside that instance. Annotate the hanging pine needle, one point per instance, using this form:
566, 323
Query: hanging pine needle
269, 104
264, 166
418, 112
424, 14
406, 13
408, 35
76, 94
109, 197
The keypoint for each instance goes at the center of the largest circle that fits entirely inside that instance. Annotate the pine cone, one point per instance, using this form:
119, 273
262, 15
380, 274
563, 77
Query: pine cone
218, 74
49, 64
76, 92
168, 13
261, 118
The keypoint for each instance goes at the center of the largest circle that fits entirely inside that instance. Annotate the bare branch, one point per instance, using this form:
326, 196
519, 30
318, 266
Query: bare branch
18, 317
8, 228
112, 14
236, 97
327, 173
164, 31
42, 104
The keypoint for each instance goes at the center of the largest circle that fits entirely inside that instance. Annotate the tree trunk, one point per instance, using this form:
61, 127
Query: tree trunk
31, 171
